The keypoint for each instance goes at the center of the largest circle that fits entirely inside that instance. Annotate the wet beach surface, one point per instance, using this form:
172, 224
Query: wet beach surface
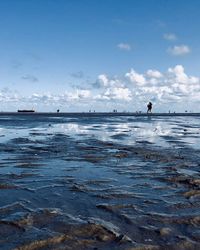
112, 182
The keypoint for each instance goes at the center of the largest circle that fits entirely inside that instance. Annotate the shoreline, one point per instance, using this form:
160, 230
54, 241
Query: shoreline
91, 114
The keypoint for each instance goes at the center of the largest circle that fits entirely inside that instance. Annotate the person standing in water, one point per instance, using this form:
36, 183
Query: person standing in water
149, 107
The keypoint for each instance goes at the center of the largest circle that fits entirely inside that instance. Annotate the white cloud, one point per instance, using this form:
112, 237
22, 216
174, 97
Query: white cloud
124, 46
8, 95
154, 73
181, 83
153, 81
79, 94
103, 80
179, 50
47, 98
117, 94
84, 93
171, 86
179, 75
136, 78
170, 37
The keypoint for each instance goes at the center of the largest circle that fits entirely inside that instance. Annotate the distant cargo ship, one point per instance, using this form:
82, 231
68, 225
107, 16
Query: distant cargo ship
26, 110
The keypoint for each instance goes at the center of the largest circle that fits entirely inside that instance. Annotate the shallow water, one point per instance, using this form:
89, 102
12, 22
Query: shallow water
115, 182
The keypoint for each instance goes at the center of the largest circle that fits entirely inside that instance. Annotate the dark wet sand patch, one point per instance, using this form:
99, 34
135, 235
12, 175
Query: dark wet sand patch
7, 186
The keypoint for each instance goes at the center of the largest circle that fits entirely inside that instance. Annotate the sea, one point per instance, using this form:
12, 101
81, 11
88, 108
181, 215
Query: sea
99, 181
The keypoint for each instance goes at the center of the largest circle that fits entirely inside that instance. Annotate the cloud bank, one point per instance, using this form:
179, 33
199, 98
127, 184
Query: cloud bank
172, 88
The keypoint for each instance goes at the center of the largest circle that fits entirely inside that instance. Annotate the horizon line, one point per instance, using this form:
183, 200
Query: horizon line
111, 113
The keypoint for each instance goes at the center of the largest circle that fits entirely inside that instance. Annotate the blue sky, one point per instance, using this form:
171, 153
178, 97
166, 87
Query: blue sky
78, 55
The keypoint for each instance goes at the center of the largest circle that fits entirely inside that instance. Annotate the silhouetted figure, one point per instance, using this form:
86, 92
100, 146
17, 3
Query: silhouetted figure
58, 110
149, 107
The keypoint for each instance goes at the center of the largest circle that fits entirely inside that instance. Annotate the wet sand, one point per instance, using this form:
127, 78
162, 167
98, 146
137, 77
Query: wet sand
102, 182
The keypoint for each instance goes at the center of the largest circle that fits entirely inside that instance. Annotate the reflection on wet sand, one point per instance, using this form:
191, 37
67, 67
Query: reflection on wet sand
108, 183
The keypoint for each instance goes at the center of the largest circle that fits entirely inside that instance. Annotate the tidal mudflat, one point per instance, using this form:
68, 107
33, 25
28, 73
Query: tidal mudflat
115, 182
